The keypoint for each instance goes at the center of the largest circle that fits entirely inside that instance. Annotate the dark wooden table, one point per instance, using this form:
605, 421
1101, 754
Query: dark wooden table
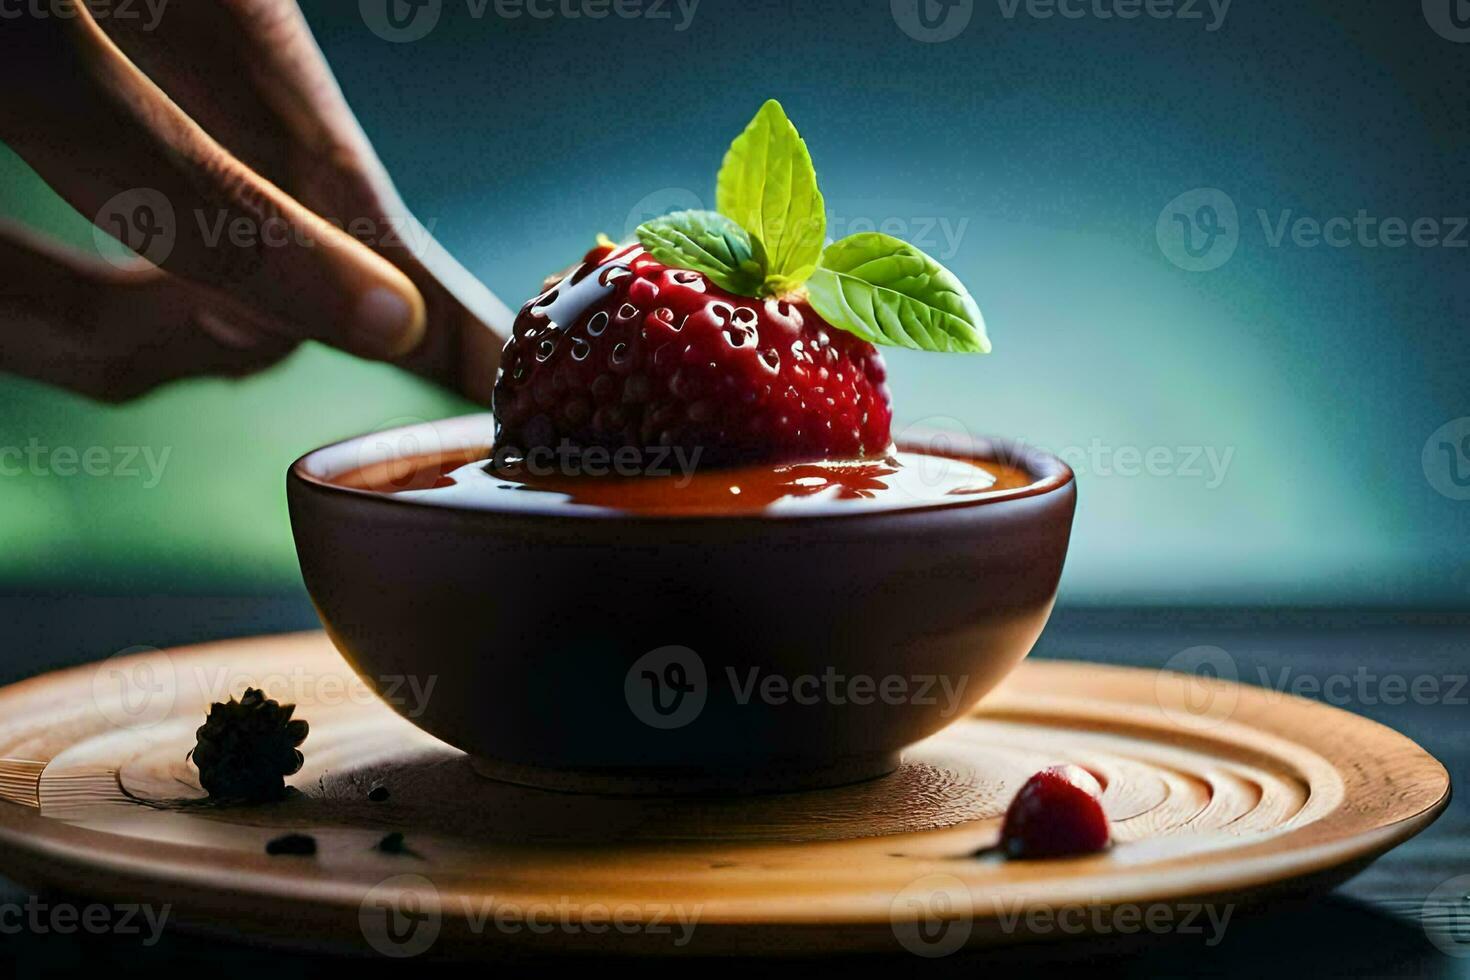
1406, 670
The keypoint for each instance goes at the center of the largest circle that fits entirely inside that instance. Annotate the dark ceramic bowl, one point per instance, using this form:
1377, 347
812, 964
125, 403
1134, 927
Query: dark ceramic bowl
617, 653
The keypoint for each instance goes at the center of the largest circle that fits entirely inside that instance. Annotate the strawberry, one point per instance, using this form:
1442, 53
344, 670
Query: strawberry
1056, 814
729, 336
625, 351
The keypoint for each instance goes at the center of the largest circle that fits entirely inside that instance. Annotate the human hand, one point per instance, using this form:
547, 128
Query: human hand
215, 143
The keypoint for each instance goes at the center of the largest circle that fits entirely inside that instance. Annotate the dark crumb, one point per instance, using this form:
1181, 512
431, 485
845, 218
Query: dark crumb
378, 794
393, 844
302, 844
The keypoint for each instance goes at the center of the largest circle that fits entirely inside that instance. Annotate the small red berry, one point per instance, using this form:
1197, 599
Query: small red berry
1057, 813
626, 351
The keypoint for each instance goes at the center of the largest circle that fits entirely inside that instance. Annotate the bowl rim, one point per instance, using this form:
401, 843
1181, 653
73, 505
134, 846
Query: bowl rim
471, 431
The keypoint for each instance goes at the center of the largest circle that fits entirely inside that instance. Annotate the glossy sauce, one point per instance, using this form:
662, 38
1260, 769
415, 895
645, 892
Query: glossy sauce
898, 481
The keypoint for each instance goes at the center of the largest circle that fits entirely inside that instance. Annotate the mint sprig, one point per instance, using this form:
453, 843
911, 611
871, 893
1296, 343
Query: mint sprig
766, 240
889, 292
767, 183
710, 243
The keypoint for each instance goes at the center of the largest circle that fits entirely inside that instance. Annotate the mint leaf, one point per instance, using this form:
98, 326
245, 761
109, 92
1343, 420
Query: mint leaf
768, 185
889, 292
709, 243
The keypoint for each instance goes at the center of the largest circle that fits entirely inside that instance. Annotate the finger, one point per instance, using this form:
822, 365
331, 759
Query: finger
116, 332
119, 150
251, 74
219, 61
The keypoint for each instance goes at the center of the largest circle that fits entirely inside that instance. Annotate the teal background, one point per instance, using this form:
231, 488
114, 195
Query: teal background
1051, 146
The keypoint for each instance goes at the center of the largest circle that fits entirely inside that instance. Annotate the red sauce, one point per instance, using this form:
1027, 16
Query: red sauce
472, 479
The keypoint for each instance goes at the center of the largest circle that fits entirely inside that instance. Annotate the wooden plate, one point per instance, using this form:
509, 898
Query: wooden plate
1220, 795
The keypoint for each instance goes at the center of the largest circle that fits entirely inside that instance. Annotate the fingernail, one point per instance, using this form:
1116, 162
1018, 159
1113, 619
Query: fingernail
387, 323
238, 338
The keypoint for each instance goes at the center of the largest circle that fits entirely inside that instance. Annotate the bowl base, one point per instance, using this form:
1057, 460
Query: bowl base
677, 782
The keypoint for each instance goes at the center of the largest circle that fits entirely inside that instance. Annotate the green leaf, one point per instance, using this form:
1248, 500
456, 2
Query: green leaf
768, 185
889, 292
709, 243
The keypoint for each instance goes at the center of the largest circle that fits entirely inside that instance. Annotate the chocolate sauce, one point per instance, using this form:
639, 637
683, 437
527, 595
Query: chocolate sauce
643, 483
